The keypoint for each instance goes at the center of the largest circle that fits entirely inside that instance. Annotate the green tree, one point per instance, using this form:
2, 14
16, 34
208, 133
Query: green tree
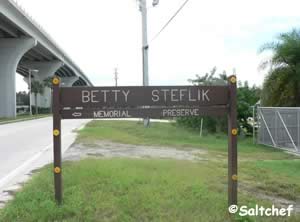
246, 97
36, 88
210, 124
48, 83
210, 78
282, 84
22, 98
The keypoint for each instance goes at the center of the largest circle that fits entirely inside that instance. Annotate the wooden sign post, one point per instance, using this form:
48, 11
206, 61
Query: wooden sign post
146, 102
57, 140
232, 143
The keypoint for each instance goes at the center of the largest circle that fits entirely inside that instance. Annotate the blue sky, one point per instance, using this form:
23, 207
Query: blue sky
101, 35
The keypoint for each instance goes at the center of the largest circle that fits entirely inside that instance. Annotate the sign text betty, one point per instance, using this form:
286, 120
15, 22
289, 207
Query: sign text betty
157, 95
137, 96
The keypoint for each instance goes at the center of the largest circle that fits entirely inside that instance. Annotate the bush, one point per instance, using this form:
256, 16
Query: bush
210, 124
41, 110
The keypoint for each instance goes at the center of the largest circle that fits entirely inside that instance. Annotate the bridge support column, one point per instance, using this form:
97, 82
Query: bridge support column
11, 52
45, 70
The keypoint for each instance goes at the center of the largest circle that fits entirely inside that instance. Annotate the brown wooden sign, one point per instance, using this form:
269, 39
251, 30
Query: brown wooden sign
146, 102
134, 96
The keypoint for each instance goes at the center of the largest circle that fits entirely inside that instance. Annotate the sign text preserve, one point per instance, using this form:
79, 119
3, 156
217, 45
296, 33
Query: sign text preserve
146, 102
142, 112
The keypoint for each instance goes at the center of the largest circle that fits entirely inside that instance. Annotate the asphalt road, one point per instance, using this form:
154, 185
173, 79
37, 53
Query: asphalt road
25, 146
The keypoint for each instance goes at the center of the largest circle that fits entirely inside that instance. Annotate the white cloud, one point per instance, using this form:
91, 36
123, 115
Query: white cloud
100, 35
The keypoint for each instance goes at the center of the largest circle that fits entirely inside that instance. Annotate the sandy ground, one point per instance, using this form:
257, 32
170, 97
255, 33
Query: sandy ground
106, 149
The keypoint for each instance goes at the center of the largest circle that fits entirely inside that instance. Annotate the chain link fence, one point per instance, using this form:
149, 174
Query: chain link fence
279, 127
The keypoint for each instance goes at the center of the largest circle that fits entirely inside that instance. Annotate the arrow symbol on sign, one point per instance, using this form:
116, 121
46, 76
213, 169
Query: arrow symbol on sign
77, 114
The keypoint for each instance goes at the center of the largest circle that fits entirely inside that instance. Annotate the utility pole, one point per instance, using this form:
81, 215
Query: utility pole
116, 76
145, 47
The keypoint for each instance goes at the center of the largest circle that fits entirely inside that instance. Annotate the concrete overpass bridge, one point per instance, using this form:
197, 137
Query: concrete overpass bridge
25, 46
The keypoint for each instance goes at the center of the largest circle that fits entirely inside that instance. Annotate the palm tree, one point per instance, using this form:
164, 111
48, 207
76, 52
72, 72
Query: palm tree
282, 84
36, 88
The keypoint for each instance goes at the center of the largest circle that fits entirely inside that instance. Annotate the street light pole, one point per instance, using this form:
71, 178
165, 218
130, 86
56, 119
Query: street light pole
29, 88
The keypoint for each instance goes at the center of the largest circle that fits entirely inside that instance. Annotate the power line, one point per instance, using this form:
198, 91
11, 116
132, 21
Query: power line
169, 21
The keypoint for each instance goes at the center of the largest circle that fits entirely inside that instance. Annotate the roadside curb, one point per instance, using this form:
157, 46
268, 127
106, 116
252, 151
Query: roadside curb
22, 120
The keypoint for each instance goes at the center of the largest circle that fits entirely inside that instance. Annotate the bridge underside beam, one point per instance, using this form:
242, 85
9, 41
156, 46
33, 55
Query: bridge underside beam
69, 81
45, 69
11, 52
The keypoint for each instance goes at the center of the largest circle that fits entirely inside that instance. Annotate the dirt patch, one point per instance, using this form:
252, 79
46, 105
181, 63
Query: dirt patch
106, 149
277, 201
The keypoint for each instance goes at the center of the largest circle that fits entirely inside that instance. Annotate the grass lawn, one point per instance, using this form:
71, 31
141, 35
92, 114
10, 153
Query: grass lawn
157, 190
